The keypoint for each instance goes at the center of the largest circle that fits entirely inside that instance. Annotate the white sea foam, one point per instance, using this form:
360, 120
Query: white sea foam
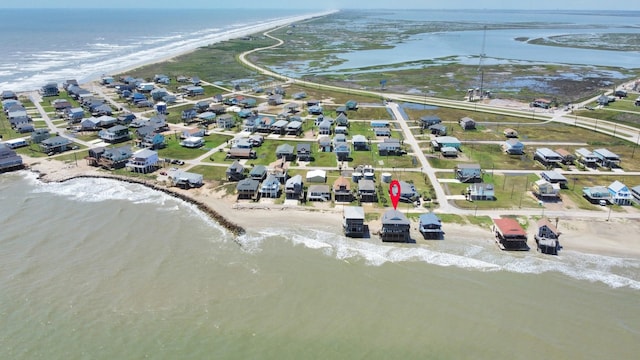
611, 271
104, 57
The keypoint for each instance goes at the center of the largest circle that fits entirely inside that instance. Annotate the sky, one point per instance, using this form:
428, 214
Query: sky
331, 4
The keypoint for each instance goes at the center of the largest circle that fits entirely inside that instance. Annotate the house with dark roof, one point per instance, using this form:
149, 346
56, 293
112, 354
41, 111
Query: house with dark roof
555, 177
235, 171
427, 121
395, 227
567, 157
468, 173
467, 123
360, 143
115, 158
303, 151
247, 189
390, 146
184, 179
547, 237
9, 160
367, 190
258, 172
547, 157
319, 192
606, 158
114, 134
285, 151
586, 158
56, 144
49, 89
635, 192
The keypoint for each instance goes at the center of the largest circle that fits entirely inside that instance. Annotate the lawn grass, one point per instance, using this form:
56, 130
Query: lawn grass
211, 173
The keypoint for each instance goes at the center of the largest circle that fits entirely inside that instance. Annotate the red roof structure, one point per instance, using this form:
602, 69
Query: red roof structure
509, 228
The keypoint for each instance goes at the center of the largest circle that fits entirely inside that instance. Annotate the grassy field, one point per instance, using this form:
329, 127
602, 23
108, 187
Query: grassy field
173, 150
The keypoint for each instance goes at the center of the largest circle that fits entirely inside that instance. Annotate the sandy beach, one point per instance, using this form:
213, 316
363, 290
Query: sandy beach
583, 235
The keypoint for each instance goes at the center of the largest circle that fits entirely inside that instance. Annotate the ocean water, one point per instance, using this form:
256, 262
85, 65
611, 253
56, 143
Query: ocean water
43, 45
100, 269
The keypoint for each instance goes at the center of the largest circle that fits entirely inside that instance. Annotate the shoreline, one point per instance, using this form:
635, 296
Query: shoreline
605, 238
181, 49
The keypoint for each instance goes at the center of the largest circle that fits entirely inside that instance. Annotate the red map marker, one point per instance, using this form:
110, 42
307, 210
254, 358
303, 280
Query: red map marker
394, 193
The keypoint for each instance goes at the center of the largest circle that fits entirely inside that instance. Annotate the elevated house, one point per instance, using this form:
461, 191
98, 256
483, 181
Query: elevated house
343, 130
258, 172
545, 191
342, 190
382, 132
192, 142
315, 110
303, 151
513, 147
8, 94
430, 226
597, 194
468, 173
481, 191
438, 129
360, 143
325, 144
427, 121
510, 235
293, 128
114, 134
115, 158
270, 187
150, 140
9, 159
586, 158
342, 120
143, 161
264, 124
39, 135
353, 221
225, 121
319, 192
25, 128
198, 132
342, 151
390, 146
548, 157
184, 179
293, 188
239, 153
324, 128
279, 127
209, 117
408, 192
467, 123
567, 157
235, 171
446, 141
275, 100
367, 190
620, 193
316, 176
194, 90
606, 158
555, 177
395, 227
286, 152
291, 108
56, 144
547, 237
74, 115
247, 189
50, 89
188, 115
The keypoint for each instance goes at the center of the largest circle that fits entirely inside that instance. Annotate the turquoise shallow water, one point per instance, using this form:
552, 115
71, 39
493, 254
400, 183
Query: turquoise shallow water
98, 269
